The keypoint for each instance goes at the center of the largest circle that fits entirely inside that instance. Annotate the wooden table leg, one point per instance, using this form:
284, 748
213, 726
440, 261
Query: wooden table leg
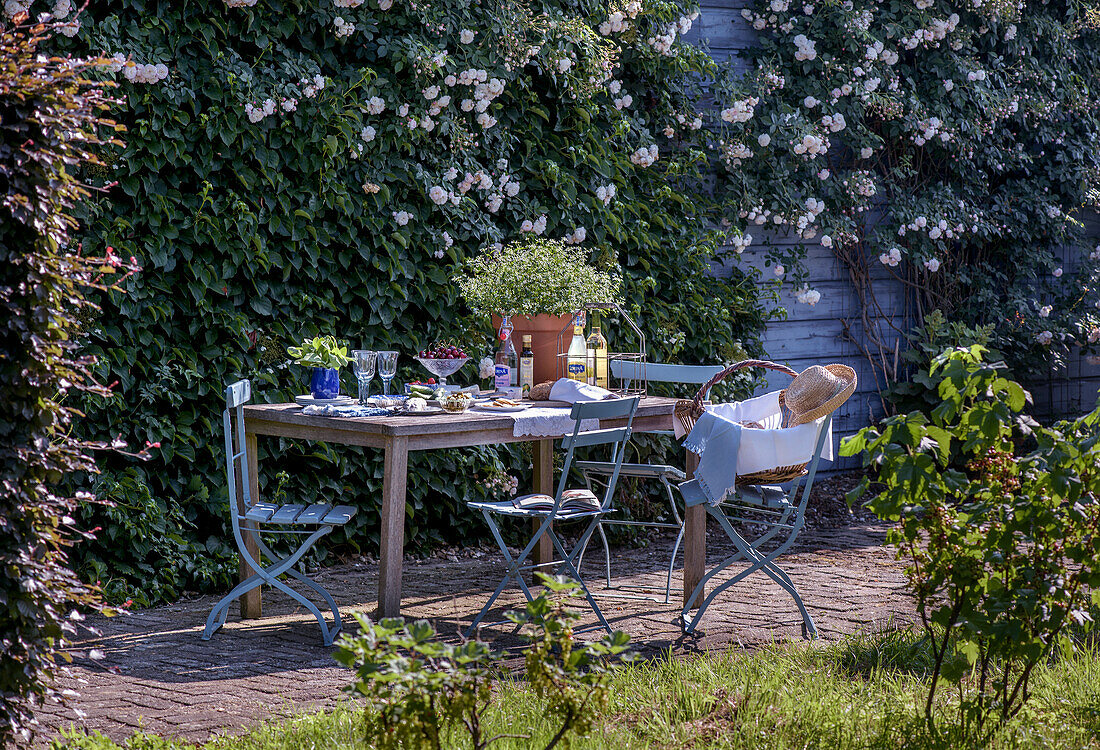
391, 540
695, 539
250, 602
542, 455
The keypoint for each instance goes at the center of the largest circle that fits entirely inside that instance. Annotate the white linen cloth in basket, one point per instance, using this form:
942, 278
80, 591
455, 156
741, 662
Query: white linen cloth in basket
714, 439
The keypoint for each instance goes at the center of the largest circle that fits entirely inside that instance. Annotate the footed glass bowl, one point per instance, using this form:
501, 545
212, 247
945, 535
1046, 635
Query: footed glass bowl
442, 368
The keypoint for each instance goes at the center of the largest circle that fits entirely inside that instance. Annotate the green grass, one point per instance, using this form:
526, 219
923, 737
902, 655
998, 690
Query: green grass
864, 692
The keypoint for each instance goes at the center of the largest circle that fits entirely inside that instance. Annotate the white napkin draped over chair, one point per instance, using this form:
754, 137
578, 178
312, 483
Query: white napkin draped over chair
728, 450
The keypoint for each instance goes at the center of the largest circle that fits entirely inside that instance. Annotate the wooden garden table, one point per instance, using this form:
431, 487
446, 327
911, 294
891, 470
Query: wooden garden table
399, 435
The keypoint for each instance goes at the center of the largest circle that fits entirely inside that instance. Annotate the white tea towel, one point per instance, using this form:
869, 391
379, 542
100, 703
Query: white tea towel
717, 442
330, 410
573, 391
548, 421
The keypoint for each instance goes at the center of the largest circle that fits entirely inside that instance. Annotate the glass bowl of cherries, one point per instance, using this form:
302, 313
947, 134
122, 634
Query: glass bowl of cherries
442, 360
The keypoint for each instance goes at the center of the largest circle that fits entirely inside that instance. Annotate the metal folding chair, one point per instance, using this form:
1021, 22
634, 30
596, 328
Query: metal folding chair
596, 473
781, 511
249, 519
616, 437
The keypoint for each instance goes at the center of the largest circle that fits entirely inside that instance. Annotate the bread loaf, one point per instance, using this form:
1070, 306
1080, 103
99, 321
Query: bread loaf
541, 392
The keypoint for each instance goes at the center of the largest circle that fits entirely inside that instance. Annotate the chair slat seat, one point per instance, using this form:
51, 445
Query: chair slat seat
507, 508
287, 513
261, 512
340, 515
313, 514
760, 496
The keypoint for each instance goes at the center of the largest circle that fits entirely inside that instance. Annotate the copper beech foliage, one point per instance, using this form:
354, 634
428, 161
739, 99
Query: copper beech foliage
51, 122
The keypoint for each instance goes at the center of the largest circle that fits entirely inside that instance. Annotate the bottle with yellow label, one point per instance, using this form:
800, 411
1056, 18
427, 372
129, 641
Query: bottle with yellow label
597, 357
576, 360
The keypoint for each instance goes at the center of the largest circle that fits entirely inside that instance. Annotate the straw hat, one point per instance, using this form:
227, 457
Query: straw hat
817, 391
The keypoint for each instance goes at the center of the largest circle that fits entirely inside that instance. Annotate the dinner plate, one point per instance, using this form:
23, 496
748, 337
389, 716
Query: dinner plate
401, 412
499, 409
308, 400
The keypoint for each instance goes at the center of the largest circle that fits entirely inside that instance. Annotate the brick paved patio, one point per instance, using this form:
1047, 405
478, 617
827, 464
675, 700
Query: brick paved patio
159, 675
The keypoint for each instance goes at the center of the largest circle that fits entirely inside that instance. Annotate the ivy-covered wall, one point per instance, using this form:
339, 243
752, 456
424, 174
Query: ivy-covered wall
297, 168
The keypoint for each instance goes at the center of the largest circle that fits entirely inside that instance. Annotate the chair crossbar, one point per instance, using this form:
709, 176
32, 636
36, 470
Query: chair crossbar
647, 524
596, 437
281, 530
765, 512
742, 519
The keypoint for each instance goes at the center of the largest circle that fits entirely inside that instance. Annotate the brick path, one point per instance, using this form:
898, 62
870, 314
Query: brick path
159, 675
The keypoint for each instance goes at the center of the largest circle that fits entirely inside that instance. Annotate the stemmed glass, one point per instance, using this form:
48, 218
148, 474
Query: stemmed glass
363, 361
387, 368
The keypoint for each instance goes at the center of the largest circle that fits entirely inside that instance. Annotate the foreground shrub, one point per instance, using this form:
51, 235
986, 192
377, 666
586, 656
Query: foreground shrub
1003, 554
419, 690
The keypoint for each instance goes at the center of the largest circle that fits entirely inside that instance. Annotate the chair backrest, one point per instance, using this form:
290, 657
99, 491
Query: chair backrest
659, 372
236, 396
617, 437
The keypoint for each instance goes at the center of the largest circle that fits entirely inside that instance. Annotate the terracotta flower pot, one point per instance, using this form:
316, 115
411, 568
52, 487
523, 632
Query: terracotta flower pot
544, 330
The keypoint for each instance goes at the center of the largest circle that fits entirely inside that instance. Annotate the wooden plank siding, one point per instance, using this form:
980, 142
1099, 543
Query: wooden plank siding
814, 335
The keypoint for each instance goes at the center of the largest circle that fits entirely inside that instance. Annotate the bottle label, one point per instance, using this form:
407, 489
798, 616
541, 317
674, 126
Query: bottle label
502, 376
578, 371
527, 372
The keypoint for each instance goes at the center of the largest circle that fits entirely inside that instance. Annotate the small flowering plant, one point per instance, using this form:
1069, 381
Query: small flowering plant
500, 483
535, 276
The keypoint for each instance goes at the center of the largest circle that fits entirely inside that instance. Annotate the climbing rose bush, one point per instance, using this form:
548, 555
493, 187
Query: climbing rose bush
949, 145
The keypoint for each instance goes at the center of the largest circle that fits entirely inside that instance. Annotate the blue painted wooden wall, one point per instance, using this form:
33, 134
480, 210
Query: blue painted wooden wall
815, 335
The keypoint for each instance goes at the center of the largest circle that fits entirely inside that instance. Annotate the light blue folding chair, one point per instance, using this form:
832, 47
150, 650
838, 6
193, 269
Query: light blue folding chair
780, 511
596, 473
249, 519
774, 499
579, 505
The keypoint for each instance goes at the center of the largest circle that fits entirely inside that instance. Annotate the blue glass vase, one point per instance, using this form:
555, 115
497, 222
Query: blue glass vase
324, 382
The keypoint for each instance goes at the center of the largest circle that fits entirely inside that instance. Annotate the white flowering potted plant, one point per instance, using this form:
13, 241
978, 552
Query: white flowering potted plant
538, 284
324, 356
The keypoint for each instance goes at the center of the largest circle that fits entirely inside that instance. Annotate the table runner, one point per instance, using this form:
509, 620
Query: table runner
547, 421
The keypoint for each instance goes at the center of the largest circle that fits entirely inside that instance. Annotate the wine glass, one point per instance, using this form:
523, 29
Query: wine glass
387, 368
363, 360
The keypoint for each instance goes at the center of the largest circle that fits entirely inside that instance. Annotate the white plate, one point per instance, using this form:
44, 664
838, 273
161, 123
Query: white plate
401, 412
499, 409
308, 400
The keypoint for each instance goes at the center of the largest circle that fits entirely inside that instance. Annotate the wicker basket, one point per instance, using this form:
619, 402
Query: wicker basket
689, 411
